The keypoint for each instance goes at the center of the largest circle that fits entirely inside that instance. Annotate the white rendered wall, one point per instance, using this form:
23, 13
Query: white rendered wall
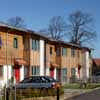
41, 57
85, 68
87, 64
55, 73
5, 76
9, 72
21, 73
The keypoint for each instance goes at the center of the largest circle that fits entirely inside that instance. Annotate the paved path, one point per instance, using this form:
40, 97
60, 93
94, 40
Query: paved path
72, 92
94, 95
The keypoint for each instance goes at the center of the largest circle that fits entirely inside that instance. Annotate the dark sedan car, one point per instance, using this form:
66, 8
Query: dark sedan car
38, 82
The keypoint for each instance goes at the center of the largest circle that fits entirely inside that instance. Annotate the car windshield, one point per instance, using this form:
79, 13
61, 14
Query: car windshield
50, 79
38, 79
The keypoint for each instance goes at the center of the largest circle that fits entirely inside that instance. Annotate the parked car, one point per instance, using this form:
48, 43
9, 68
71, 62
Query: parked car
38, 82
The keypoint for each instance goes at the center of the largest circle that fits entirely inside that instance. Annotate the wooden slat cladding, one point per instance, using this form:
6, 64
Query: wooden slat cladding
34, 53
34, 58
7, 51
50, 58
47, 55
63, 61
27, 56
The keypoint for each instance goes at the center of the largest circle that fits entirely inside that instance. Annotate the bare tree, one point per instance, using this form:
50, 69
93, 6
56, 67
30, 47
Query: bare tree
56, 28
80, 27
16, 22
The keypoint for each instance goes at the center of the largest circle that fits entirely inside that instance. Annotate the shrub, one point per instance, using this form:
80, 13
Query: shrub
30, 93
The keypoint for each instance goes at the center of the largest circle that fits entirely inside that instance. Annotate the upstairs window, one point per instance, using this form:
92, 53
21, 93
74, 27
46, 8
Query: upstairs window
15, 43
78, 54
35, 45
50, 50
0, 42
64, 51
72, 52
58, 52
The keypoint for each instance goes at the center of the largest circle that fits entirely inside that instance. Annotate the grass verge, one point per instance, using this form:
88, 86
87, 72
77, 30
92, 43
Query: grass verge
77, 86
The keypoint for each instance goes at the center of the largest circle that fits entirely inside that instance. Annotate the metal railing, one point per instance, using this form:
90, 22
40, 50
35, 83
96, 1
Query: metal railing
13, 93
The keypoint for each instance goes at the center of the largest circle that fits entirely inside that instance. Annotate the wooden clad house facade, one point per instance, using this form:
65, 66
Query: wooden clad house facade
11, 54
24, 53
63, 61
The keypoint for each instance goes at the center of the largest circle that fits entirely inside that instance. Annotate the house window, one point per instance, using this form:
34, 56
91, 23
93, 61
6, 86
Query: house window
78, 54
73, 72
64, 74
35, 45
0, 42
50, 50
15, 43
25, 71
35, 70
90, 55
72, 52
58, 74
1, 71
58, 52
64, 51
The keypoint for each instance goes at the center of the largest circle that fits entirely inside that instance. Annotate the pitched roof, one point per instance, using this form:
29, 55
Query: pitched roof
97, 61
2, 24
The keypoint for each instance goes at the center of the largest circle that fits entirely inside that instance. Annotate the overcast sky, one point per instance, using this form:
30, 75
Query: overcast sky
37, 13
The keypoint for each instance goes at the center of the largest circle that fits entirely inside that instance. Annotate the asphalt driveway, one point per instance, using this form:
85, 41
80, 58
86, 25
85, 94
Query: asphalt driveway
94, 95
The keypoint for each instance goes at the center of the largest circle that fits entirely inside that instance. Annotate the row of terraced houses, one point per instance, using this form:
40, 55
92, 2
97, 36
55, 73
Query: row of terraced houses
24, 53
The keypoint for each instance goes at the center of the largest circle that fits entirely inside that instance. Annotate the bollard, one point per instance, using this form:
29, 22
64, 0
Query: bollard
7, 94
58, 93
15, 93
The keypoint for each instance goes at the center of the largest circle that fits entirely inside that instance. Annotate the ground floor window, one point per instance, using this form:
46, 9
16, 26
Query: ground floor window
35, 70
58, 74
1, 71
64, 74
73, 75
25, 71
73, 72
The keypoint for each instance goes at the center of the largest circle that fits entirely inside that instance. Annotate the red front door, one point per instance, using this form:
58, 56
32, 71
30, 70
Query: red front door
52, 72
17, 74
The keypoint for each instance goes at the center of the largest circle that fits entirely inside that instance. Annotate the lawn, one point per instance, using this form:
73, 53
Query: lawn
77, 86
